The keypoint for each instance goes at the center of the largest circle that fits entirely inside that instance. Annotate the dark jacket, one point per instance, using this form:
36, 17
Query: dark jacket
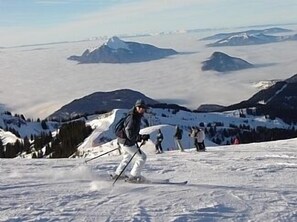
178, 133
159, 138
132, 128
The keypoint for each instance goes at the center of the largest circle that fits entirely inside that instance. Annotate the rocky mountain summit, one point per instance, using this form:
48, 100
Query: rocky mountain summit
267, 31
116, 50
246, 39
222, 62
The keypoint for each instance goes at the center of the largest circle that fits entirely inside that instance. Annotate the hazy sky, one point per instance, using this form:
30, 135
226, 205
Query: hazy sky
41, 21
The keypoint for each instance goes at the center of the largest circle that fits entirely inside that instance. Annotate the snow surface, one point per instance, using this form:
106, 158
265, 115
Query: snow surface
7, 137
253, 182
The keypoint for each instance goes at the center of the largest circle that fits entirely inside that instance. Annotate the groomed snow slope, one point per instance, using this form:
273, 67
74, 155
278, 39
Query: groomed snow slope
254, 182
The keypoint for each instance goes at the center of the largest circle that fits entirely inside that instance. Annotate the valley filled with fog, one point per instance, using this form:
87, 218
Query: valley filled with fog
38, 80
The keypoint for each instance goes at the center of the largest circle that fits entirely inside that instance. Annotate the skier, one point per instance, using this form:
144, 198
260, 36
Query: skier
129, 144
158, 143
193, 134
200, 139
177, 137
236, 140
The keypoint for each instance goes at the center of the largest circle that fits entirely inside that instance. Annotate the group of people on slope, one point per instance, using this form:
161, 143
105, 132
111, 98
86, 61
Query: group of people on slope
196, 133
198, 136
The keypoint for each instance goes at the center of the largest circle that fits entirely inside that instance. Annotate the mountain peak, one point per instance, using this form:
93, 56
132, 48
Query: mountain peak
292, 79
116, 43
222, 62
117, 51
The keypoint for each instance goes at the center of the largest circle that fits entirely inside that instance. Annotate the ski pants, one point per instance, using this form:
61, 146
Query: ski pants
196, 144
201, 145
139, 160
178, 144
159, 146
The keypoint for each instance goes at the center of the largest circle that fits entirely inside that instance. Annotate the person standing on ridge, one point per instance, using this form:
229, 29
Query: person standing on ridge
129, 141
158, 143
200, 139
193, 135
236, 140
177, 137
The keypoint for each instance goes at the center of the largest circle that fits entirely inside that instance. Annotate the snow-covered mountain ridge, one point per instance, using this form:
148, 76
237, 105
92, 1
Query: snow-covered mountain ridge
116, 50
116, 43
246, 39
25, 128
278, 100
249, 37
273, 30
264, 84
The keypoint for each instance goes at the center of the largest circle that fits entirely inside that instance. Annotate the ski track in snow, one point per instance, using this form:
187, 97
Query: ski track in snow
254, 182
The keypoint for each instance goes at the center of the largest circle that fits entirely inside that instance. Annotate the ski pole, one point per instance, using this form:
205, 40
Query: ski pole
138, 150
101, 155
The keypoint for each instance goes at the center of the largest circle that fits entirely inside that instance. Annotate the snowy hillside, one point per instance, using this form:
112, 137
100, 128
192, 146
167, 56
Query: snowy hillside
254, 182
103, 139
24, 128
7, 137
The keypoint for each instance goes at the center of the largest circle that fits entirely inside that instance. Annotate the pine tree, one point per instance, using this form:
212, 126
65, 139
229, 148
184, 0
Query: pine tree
44, 125
2, 154
10, 151
70, 135
26, 144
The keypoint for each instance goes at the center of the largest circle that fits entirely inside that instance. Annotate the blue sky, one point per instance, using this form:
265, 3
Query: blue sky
40, 21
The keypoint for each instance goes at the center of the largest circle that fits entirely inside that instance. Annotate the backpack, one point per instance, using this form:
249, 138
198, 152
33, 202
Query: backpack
119, 128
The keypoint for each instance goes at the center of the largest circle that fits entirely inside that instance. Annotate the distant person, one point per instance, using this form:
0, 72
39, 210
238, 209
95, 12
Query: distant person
193, 134
236, 140
200, 139
128, 142
158, 143
178, 135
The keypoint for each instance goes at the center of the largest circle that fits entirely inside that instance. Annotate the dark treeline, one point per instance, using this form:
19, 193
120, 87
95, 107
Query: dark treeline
245, 134
70, 135
63, 145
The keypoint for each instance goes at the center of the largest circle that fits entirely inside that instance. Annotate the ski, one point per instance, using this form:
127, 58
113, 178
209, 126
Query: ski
155, 181
169, 182
122, 177
144, 180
